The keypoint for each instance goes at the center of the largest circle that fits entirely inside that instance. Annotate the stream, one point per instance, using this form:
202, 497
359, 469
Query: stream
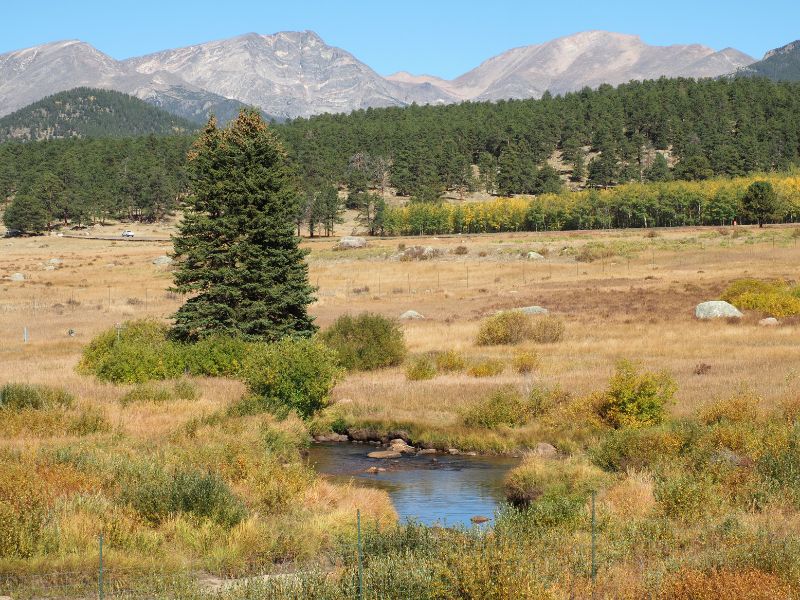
431, 489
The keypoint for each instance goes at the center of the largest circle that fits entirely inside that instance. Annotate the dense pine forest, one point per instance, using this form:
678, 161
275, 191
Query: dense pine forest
89, 112
653, 131
91, 180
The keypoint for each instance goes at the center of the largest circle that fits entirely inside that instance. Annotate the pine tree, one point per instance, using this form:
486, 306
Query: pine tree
760, 202
237, 255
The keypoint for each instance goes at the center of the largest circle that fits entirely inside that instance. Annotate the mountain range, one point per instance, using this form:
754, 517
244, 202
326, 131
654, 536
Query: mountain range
296, 74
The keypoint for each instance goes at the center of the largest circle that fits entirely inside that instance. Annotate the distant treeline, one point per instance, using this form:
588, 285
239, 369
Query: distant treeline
89, 180
644, 132
677, 203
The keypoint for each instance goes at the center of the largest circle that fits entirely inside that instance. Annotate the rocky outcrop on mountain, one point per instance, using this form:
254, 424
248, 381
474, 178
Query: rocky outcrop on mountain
780, 64
287, 74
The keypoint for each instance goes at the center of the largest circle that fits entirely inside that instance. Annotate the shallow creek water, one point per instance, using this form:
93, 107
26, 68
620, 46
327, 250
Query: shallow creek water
447, 491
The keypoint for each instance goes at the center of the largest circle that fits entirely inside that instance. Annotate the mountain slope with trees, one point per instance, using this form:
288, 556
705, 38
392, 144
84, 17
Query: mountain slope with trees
88, 112
781, 64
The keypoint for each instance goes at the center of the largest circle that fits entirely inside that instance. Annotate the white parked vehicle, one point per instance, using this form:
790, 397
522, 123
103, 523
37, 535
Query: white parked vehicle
127, 233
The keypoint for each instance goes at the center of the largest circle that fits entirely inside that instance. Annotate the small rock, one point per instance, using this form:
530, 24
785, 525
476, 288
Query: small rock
162, 260
55, 261
17, 277
471, 453
50, 268
478, 519
453, 451
769, 322
427, 451
533, 310
375, 470
535, 256
399, 445
401, 434
363, 435
411, 315
331, 437
350, 241
384, 454
716, 309
545, 450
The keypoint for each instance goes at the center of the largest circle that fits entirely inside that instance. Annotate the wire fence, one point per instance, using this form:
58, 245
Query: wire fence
377, 566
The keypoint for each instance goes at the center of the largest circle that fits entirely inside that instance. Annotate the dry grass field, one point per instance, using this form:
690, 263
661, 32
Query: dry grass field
637, 304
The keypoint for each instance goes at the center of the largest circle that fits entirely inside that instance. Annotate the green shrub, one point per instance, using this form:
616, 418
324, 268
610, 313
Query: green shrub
450, 361
526, 362
542, 400
366, 342
217, 356
742, 407
138, 352
19, 396
290, 375
547, 330
486, 368
507, 327
505, 406
635, 399
420, 368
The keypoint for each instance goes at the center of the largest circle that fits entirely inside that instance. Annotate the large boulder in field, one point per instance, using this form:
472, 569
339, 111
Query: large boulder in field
349, 242
17, 277
769, 322
533, 310
411, 315
161, 261
535, 256
717, 309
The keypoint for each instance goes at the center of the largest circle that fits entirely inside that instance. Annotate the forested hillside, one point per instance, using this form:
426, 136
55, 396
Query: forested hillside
87, 112
81, 181
638, 131
781, 64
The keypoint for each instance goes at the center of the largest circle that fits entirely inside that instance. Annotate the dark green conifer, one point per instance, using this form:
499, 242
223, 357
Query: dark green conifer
237, 255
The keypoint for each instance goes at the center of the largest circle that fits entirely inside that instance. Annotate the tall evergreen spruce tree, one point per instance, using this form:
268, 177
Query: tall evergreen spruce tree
236, 251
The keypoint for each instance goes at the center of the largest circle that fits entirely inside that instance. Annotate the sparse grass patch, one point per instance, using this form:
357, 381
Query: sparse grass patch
486, 368
21, 396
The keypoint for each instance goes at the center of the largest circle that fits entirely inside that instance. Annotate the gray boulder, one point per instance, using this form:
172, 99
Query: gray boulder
545, 450
533, 310
161, 261
17, 277
331, 437
55, 261
351, 241
717, 309
769, 322
411, 315
535, 256
384, 454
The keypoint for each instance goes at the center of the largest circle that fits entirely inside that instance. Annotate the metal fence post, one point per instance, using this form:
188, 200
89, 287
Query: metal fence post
360, 558
100, 570
594, 544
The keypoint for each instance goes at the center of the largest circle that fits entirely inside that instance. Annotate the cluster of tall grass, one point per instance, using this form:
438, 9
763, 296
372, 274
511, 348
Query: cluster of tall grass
675, 203
513, 327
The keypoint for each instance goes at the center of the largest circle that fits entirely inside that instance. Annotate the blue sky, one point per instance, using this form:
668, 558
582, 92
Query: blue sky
444, 38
